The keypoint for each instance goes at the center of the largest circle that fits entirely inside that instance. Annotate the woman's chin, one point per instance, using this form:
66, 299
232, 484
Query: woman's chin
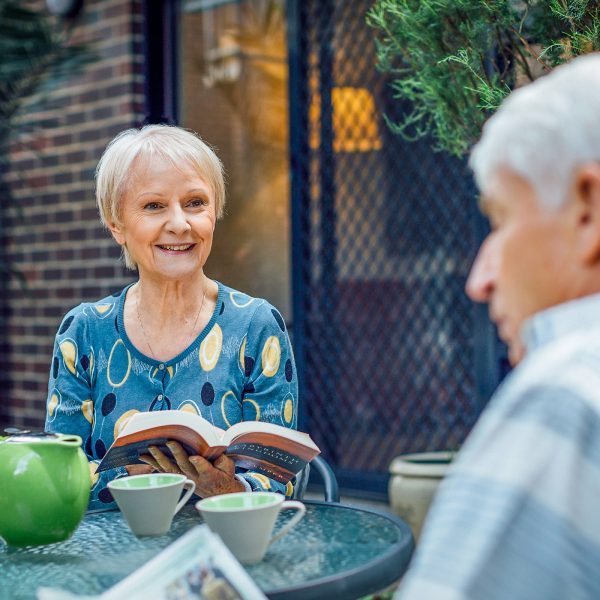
172, 272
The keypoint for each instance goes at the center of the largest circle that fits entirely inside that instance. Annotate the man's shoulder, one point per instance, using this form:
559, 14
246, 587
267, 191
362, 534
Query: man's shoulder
570, 363
555, 391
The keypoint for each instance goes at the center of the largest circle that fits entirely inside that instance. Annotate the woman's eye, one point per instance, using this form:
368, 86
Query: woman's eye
152, 206
197, 202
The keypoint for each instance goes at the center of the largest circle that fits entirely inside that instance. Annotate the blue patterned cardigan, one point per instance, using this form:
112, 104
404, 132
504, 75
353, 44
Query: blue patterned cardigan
240, 368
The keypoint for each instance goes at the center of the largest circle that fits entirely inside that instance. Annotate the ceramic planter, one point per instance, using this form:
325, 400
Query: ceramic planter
413, 483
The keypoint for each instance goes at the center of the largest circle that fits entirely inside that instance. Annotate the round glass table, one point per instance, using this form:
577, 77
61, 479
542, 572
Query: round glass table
336, 551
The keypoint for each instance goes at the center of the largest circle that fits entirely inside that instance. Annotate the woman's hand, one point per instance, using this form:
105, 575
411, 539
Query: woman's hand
211, 479
139, 469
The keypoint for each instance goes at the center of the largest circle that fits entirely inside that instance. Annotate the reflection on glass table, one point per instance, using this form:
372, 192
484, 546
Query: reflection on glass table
336, 551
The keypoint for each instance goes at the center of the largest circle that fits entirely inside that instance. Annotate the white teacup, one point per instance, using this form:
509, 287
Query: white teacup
245, 521
149, 502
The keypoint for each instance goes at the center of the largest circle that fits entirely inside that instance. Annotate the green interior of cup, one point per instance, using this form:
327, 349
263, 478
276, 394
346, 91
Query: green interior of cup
237, 501
430, 461
146, 481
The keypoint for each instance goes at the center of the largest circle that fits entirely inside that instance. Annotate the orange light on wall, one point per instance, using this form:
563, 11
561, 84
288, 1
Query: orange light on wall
355, 127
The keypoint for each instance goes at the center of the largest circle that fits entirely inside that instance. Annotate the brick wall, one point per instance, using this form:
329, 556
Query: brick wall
53, 236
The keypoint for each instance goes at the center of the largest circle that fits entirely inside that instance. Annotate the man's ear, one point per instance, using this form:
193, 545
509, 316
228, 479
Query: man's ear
117, 233
586, 190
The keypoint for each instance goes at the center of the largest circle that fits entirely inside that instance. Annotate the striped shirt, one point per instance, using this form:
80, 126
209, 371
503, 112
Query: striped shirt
518, 517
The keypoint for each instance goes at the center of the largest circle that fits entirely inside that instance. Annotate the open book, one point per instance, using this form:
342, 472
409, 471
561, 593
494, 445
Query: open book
272, 450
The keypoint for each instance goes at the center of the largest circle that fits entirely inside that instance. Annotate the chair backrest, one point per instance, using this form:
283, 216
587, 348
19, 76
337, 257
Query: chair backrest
330, 485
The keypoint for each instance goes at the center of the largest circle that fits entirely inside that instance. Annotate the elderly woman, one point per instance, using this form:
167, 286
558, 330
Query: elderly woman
174, 339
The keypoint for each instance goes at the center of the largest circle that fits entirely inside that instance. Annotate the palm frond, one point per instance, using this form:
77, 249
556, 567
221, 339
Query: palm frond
36, 58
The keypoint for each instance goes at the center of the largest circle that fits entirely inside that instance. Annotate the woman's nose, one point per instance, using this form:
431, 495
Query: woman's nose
481, 281
177, 221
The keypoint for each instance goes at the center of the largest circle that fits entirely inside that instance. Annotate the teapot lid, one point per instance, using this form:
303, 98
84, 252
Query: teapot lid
16, 435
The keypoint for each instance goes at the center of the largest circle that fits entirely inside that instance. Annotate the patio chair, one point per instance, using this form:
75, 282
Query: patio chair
330, 485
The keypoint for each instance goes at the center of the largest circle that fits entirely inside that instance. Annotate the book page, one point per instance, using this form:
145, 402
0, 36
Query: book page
235, 432
194, 433
273, 450
175, 418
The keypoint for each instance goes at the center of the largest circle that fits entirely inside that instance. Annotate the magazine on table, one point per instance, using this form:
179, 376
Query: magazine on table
198, 566
275, 451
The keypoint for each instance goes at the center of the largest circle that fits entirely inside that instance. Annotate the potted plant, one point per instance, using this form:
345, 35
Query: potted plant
454, 61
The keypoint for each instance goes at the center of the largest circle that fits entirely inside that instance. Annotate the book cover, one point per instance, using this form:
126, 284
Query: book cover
272, 450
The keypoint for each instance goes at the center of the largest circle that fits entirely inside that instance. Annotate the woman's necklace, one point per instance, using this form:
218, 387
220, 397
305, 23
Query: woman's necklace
146, 337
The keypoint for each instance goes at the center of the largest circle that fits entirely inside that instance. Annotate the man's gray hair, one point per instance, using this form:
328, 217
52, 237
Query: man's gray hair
544, 131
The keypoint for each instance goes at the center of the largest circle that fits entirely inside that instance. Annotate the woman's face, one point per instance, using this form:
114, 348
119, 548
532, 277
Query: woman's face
167, 219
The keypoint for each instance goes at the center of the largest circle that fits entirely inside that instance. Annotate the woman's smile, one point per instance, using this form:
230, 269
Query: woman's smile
176, 248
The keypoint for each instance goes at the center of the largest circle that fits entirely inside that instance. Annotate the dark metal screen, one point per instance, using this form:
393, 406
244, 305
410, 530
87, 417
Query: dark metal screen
392, 355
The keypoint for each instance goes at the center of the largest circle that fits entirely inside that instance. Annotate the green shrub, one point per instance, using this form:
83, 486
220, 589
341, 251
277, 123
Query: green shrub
453, 61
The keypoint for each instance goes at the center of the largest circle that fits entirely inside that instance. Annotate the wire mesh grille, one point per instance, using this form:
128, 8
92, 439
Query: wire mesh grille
387, 235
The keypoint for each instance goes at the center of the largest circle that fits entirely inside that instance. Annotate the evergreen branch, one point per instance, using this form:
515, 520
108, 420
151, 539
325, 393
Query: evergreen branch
423, 46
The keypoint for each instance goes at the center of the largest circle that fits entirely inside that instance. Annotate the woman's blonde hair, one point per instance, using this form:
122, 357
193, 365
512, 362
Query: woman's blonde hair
175, 144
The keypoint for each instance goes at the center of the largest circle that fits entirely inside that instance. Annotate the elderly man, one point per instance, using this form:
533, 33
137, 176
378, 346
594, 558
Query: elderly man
519, 515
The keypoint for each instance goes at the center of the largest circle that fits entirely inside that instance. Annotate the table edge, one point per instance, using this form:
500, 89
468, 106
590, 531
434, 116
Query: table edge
353, 581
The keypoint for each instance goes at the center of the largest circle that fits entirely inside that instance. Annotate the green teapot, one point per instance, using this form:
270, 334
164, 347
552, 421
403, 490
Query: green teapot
44, 487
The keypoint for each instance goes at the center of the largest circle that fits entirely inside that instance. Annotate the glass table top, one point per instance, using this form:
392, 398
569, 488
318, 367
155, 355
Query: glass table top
335, 549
